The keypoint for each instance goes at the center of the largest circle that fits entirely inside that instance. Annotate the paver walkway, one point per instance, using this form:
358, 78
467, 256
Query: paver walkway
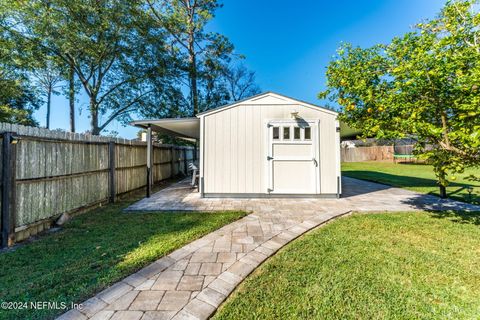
191, 282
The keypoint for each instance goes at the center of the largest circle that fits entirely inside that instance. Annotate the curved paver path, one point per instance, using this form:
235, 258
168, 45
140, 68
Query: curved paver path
191, 282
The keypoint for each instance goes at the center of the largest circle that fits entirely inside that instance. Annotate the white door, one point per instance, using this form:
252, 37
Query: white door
292, 157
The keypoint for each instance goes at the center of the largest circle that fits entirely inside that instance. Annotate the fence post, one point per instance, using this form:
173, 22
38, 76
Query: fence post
111, 181
8, 188
172, 161
149, 160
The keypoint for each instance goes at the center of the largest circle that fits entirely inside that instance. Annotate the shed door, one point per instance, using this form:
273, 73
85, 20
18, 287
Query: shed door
293, 157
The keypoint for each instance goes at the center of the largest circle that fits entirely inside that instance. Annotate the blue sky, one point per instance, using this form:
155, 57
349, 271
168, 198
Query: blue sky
289, 43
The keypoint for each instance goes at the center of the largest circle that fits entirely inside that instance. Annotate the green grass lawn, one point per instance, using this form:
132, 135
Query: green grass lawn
416, 177
370, 266
93, 251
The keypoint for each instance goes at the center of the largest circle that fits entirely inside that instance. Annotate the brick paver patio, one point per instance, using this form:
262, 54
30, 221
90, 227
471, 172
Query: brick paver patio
191, 282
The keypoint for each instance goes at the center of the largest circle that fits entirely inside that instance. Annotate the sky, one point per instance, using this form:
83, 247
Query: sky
289, 43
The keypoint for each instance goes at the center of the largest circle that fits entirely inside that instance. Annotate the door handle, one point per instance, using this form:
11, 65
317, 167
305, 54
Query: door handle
315, 162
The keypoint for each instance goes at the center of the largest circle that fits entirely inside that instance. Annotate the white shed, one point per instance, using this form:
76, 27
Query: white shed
268, 145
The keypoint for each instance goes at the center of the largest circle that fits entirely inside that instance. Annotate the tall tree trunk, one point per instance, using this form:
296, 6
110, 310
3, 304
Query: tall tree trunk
443, 189
443, 192
193, 74
443, 174
94, 117
71, 95
49, 103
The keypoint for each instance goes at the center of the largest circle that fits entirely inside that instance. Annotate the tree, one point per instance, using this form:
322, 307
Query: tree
71, 96
215, 92
424, 84
25, 24
18, 99
197, 50
47, 78
240, 82
117, 56
226, 83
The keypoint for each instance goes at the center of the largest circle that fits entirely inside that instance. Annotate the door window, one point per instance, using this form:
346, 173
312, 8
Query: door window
296, 133
276, 133
308, 133
286, 133
291, 133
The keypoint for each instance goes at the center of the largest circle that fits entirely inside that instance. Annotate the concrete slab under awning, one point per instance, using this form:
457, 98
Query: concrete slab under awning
186, 128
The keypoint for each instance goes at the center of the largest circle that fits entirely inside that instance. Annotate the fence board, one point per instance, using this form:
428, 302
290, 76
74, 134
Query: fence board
374, 153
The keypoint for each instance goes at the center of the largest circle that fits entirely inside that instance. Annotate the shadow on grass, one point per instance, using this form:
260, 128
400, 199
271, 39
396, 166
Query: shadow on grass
402, 181
458, 216
397, 180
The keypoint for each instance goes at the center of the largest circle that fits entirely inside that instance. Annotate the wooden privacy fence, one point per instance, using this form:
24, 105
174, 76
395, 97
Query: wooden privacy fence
367, 153
47, 173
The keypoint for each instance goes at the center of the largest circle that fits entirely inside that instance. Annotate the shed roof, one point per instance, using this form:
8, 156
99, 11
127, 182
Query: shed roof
287, 100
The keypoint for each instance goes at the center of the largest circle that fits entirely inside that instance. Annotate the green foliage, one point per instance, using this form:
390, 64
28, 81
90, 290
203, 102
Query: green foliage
16, 116
424, 84
118, 56
409, 265
18, 98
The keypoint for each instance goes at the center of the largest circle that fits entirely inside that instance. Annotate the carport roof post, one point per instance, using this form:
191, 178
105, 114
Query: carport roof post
149, 160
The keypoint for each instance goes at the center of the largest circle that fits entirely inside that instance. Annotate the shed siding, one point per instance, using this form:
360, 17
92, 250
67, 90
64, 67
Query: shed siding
235, 147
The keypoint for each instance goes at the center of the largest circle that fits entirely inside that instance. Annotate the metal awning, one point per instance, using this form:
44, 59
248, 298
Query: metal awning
187, 128
184, 128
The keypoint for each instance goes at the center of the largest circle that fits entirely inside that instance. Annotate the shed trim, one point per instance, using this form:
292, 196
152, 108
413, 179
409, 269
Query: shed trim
268, 93
271, 195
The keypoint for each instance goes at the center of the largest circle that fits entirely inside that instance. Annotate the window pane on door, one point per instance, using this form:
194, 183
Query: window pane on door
276, 133
296, 133
286, 133
308, 133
